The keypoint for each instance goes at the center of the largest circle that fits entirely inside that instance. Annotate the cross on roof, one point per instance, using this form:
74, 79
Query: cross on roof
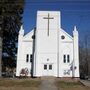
48, 18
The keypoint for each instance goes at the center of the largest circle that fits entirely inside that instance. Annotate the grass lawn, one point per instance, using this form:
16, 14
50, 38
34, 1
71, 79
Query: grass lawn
62, 85
19, 84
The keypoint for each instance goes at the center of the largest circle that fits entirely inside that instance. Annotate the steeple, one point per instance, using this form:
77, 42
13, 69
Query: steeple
75, 28
75, 32
76, 52
21, 32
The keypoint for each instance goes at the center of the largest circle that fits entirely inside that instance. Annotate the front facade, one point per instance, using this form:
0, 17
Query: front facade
48, 50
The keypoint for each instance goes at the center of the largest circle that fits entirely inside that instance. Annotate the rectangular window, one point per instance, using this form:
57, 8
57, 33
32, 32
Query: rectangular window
27, 57
50, 67
31, 57
68, 58
64, 58
45, 67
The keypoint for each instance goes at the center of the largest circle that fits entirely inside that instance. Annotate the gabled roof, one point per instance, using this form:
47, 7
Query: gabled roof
66, 33
28, 36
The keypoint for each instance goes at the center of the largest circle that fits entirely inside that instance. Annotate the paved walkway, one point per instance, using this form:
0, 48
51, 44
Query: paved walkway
48, 83
86, 82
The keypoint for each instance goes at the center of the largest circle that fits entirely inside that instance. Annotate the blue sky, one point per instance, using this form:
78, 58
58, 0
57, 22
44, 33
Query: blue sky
73, 12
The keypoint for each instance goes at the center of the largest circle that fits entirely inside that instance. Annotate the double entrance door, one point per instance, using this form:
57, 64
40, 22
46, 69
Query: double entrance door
48, 69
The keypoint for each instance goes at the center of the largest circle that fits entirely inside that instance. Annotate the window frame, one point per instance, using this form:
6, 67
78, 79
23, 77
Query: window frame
27, 57
45, 66
50, 67
31, 57
64, 58
68, 58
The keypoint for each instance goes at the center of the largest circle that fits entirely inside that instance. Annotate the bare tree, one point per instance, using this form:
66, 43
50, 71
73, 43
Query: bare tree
85, 56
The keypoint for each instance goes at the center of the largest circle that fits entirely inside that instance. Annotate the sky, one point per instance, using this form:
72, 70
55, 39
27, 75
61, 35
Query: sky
73, 12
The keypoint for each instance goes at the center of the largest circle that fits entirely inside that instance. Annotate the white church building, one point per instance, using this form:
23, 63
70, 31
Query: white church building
48, 50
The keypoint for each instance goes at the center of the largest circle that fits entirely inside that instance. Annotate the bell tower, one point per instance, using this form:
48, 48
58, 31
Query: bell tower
46, 47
